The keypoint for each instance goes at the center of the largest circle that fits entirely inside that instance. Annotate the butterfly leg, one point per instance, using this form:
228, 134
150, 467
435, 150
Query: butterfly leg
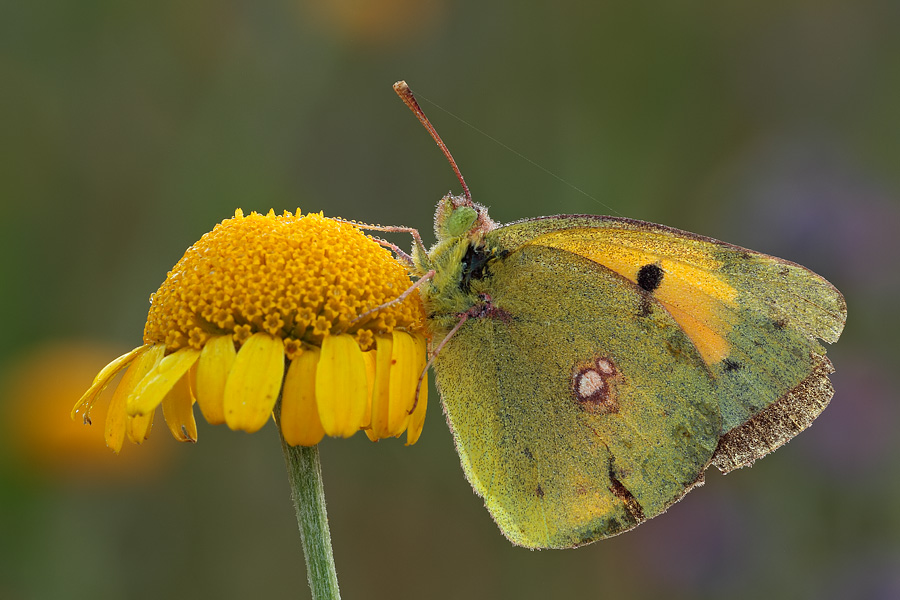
405, 258
396, 300
483, 309
417, 238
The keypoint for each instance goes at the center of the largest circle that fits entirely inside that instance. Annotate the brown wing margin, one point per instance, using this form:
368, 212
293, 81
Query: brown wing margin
774, 426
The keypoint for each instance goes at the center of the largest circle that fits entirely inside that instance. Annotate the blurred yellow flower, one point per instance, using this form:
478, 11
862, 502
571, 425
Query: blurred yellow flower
384, 23
269, 305
36, 429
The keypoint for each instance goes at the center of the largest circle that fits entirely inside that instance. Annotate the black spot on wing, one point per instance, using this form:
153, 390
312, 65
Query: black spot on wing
649, 277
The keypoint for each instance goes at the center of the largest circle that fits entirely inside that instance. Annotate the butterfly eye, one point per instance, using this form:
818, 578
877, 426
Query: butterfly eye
460, 221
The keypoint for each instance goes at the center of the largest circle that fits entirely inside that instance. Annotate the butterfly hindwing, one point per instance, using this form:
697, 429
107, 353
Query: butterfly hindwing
578, 405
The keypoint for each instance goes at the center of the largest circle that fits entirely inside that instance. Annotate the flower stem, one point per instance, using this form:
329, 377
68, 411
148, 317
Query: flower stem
305, 475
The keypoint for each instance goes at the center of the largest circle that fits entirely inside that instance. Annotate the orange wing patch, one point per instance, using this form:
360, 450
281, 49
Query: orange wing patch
702, 304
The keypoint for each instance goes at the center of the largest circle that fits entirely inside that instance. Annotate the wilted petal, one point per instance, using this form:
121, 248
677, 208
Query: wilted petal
102, 380
137, 427
178, 410
156, 384
116, 416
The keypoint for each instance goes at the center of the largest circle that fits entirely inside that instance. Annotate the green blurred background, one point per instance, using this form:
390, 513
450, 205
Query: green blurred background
130, 129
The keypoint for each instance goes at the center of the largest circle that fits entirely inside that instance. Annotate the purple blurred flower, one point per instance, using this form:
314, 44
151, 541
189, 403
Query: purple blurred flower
808, 204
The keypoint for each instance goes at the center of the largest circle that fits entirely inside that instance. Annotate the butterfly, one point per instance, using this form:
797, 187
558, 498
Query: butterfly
591, 368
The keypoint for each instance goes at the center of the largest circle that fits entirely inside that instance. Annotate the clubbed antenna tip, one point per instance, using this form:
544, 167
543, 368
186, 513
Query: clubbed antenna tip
410, 101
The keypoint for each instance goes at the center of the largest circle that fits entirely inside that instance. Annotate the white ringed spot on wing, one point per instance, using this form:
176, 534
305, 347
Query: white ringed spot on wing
594, 385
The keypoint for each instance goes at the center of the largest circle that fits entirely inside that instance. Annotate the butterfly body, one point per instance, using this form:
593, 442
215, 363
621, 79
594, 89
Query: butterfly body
599, 364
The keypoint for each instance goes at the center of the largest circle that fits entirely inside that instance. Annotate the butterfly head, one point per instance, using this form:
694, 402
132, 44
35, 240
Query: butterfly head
458, 216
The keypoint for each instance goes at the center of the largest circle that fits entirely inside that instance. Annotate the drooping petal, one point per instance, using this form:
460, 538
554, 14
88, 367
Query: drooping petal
404, 377
102, 380
381, 388
178, 410
216, 360
417, 418
114, 431
300, 424
156, 384
137, 427
116, 416
253, 385
341, 386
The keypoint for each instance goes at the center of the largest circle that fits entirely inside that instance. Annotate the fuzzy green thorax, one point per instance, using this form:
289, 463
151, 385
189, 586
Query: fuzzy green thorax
462, 227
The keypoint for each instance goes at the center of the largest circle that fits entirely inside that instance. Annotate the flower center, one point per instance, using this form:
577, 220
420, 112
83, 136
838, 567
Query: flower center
296, 277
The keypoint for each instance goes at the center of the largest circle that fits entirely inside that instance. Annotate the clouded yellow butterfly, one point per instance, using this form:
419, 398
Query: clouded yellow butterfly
593, 367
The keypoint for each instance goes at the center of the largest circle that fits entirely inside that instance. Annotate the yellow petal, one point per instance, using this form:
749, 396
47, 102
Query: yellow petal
417, 418
137, 428
341, 386
216, 360
192, 382
115, 421
381, 388
369, 358
178, 410
404, 377
370, 386
300, 424
102, 380
255, 380
116, 417
153, 388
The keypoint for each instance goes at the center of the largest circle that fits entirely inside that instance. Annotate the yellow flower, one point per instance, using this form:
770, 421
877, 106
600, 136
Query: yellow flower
266, 306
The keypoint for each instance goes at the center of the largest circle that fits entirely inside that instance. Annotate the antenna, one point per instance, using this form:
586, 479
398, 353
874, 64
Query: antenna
410, 101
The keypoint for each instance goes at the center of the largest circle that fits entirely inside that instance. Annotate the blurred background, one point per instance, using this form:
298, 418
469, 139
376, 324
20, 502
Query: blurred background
128, 130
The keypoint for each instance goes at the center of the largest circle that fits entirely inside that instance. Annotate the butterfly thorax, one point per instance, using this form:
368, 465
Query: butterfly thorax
460, 260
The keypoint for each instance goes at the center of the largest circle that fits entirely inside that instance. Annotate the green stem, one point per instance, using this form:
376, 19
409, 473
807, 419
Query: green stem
305, 475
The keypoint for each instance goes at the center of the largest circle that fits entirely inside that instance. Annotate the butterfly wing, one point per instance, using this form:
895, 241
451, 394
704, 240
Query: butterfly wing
577, 412
755, 319
615, 362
